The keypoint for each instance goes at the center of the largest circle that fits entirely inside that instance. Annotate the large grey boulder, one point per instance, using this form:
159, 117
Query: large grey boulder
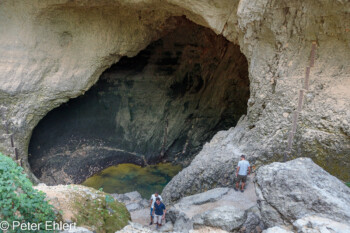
253, 222
228, 218
289, 191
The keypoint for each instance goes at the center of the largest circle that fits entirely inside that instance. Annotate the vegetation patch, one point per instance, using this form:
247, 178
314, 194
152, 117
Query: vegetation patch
19, 202
100, 213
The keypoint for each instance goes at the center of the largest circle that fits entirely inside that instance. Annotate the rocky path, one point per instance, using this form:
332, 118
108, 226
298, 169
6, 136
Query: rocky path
237, 199
193, 209
296, 196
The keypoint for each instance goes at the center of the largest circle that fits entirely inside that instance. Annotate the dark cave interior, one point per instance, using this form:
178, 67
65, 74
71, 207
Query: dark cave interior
161, 105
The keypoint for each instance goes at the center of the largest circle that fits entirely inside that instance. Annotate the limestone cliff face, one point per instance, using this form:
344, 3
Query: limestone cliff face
52, 51
162, 104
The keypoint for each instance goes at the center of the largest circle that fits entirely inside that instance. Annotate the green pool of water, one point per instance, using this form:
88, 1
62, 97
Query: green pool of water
128, 177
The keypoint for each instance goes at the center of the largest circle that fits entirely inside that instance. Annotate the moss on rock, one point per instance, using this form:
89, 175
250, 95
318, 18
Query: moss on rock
88, 207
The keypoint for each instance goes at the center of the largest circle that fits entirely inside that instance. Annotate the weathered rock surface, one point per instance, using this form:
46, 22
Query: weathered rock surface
133, 200
135, 228
277, 229
220, 208
52, 51
228, 218
208, 230
275, 82
86, 207
312, 224
217, 210
253, 222
292, 190
316, 224
201, 198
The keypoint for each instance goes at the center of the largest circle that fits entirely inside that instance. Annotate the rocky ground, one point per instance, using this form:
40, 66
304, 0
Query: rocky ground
197, 211
297, 196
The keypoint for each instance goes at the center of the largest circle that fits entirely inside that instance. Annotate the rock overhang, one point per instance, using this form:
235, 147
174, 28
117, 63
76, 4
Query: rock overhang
41, 43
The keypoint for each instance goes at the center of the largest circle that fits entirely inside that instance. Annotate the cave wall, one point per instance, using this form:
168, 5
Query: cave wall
162, 104
55, 50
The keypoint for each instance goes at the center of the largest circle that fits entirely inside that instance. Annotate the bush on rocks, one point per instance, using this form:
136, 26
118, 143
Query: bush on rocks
19, 202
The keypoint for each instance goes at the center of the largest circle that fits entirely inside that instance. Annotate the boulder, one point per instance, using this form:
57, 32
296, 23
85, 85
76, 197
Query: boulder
183, 223
228, 218
289, 191
253, 223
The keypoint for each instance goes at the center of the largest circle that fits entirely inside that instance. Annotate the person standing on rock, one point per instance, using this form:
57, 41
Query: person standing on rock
243, 170
159, 210
152, 201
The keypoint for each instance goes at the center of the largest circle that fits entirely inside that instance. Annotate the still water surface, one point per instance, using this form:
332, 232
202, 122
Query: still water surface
128, 177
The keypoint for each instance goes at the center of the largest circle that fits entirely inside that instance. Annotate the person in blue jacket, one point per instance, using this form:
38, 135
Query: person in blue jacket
159, 212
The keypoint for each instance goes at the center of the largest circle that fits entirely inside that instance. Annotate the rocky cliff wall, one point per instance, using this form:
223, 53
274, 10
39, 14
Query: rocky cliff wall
54, 50
161, 105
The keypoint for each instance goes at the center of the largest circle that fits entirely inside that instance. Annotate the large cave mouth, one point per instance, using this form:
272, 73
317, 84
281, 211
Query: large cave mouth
161, 105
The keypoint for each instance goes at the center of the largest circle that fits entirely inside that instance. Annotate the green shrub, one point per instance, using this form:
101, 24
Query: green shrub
18, 200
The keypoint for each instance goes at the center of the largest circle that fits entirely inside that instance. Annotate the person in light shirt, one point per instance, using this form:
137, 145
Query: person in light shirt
151, 204
243, 170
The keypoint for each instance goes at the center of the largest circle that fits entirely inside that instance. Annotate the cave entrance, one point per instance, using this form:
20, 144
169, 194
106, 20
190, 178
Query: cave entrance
161, 105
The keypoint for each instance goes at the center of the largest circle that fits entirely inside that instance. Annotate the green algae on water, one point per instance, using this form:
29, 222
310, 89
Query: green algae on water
128, 177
